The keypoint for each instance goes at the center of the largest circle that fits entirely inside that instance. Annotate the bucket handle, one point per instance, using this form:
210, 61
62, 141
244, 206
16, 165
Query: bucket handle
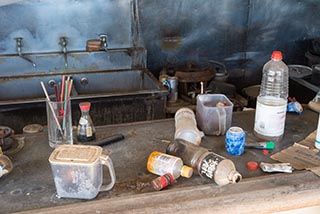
222, 117
106, 160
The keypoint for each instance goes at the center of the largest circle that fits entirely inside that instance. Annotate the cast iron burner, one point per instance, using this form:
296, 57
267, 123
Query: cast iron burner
189, 78
5, 140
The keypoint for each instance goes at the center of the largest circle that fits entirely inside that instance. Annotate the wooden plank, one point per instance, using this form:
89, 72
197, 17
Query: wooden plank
277, 192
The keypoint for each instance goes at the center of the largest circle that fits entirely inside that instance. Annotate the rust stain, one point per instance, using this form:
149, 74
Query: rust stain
171, 43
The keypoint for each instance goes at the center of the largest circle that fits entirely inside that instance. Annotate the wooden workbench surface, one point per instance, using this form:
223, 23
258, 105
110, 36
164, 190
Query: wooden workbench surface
29, 188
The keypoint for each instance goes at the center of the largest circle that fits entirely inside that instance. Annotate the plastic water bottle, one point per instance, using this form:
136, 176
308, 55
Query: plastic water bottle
204, 162
272, 100
160, 163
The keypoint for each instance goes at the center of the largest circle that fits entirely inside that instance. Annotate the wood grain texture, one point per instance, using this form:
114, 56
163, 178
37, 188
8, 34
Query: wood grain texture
265, 194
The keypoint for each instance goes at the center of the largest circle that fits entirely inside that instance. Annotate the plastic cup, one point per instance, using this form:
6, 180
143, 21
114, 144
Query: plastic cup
59, 123
235, 141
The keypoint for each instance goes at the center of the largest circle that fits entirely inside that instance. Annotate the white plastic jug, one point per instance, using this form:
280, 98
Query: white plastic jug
77, 171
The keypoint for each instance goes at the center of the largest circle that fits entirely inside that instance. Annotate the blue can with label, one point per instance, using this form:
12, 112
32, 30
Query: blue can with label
235, 140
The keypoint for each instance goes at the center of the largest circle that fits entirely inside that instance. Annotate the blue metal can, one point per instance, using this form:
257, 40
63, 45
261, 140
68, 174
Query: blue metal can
235, 140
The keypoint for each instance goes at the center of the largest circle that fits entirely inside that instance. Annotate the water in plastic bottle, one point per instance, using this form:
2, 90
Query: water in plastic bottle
272, 100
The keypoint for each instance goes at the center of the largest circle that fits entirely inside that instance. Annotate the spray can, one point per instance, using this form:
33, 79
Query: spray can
207, 164
161, 163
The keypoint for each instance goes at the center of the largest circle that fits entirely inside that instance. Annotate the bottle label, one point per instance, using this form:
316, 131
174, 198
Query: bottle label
270, 119
89, 131
209, 165
160, 164
83, 121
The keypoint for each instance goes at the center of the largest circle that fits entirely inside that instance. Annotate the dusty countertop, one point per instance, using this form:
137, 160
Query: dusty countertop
29, 188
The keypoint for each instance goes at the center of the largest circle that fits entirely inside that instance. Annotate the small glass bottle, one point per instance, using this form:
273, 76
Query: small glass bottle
86, 129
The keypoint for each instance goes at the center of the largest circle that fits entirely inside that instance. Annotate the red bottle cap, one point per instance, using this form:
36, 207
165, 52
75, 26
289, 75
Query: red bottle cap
252, 165
276, 55
85, 106
163, 181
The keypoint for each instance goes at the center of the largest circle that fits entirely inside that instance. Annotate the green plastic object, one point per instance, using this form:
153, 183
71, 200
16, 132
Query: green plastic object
270, 145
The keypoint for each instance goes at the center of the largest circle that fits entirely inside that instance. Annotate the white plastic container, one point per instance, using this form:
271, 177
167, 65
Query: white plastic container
214, 113
272, 100
77, 171
186, 126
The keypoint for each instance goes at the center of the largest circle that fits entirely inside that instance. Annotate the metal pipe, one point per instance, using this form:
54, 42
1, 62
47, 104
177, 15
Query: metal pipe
19, 45
104, 41
63, 43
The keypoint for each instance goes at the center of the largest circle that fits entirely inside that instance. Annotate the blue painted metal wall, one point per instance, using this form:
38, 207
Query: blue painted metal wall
42, 22
240, 33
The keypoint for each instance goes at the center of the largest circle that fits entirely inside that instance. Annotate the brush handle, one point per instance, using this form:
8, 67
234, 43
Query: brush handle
107, 141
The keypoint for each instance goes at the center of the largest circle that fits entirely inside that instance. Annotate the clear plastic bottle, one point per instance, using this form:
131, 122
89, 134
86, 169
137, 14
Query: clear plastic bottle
186, 126
207, 164
160, 163
272, 100
86, 129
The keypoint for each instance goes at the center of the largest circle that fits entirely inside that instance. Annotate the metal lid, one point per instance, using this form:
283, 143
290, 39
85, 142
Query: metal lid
32, 128
299, 71
75, 154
